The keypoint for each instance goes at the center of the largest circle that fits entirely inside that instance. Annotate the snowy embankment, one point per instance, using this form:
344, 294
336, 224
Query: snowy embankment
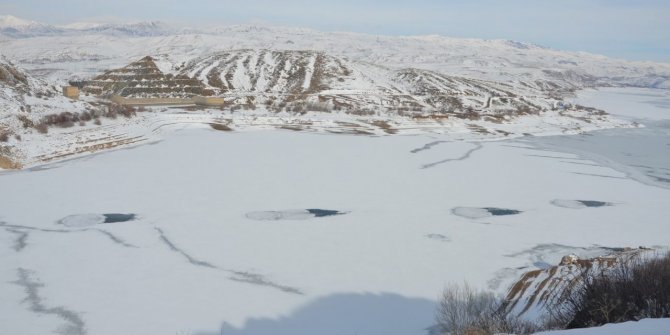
642, 327
148, 127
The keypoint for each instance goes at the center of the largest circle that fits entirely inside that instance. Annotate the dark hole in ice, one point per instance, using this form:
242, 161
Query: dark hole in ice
115, 217
501, 211
593, 203
323, 212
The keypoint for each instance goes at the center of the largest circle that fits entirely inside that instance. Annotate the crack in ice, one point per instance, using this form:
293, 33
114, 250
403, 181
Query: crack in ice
176, 249
4, 224
239, 276
20, 242
19, 229
257, 279
114, 238
599, 175
466, 155
427, 146
75, 324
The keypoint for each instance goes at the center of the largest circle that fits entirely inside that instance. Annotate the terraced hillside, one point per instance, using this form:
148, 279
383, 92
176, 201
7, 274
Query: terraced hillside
142, 79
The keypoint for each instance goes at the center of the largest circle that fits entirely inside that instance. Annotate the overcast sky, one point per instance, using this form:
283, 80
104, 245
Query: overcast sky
632, 29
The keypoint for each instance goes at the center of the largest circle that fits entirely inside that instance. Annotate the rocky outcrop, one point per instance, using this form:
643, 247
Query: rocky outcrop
537, 291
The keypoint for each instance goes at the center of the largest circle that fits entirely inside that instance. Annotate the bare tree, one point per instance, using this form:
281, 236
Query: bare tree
635, 288
467, 311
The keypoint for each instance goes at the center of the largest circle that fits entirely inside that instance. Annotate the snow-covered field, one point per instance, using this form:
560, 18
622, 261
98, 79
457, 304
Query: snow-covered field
645, 327
235, 230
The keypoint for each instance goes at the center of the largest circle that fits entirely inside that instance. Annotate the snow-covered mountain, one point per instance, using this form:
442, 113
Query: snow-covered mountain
149, 28
15, 27
39, 46
360, 83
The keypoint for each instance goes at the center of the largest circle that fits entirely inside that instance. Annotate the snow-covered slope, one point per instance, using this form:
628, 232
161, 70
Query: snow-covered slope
642, 327
27, 105
23, 95
286, 76
539, 291
368, 84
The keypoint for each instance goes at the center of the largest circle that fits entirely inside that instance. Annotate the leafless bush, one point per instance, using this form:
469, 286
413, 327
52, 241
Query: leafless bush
63, 120
26, 122
42, 128
113, 110
636, 288
4, 135
362, 112
466, 311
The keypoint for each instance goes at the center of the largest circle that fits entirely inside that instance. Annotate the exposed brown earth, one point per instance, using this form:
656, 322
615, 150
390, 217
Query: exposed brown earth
8, 164
220, 126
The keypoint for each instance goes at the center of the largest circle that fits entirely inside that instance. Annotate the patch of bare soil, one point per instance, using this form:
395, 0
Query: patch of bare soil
385, 126
8, 164
220, 126
294, 128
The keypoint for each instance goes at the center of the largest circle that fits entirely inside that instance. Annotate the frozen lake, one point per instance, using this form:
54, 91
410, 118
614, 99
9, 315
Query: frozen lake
281, 232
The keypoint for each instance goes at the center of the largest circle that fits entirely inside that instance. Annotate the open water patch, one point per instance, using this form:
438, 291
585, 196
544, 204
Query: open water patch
116, 217
579, 204
293, 214
483, 212
85, 220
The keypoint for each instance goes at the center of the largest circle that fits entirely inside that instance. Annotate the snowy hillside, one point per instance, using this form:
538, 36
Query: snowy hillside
303, 80
24, 102
317, 77
300, 90
143, 78
642, 327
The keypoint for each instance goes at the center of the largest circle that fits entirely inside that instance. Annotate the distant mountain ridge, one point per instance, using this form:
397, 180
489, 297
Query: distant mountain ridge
15, 27
108, 45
